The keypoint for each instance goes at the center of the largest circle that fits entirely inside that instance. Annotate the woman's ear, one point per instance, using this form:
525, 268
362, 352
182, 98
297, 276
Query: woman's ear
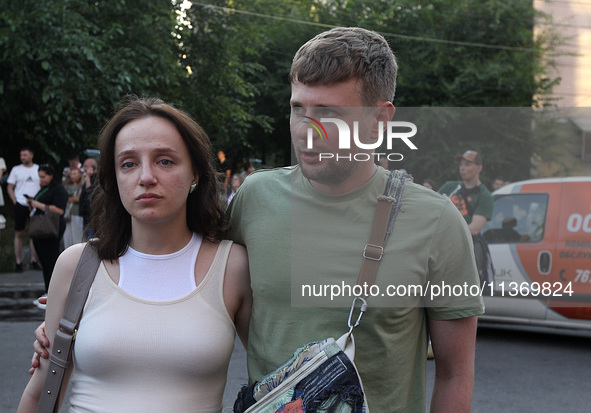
194, 183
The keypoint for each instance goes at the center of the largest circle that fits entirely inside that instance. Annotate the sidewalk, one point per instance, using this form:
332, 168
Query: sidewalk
17, 293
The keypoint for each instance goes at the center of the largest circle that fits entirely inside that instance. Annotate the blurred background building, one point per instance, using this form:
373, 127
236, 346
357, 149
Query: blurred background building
572, 18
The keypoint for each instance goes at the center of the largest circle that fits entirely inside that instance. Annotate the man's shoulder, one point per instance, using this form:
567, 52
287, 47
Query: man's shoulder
449, 186
484, 191
18, 167
269, 176
14, 171
423, 197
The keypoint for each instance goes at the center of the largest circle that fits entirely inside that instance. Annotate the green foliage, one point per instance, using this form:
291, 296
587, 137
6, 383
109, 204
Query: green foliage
65, 63
468, 53
221, 55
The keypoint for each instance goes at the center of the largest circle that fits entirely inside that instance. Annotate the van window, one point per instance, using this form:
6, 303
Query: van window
517, 218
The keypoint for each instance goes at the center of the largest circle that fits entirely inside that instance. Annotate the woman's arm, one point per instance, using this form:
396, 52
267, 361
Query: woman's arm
237, 291
41, 206
76, 197
56, 301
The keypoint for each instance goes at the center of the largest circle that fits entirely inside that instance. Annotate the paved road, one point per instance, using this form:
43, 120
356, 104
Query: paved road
516, 370
521, 369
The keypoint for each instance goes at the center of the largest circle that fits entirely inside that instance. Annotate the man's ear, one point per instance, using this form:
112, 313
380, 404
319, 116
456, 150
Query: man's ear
384, 112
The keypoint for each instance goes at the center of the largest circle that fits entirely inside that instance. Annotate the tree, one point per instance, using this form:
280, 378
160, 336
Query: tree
221, 54
65, 63
239, 58
468, 53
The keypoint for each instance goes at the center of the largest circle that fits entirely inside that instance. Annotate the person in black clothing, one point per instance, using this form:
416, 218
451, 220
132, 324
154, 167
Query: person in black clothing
224, 167
54, 195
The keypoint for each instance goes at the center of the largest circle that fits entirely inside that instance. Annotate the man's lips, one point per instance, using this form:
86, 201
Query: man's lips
308, 156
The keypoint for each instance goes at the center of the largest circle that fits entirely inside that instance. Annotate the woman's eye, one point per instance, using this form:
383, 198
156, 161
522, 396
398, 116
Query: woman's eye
127, 165
167, 162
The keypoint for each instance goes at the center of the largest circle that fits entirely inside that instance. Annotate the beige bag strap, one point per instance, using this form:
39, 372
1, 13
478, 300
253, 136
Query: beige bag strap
381, 229
383, 223
66, 333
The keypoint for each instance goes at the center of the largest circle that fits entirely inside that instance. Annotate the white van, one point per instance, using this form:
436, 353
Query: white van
540, 243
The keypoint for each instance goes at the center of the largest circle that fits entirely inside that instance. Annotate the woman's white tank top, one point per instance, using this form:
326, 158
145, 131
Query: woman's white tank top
159, 277
138, 355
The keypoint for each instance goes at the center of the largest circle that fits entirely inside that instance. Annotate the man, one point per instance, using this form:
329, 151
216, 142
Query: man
475, 203
23, 181
315, 219
470, 196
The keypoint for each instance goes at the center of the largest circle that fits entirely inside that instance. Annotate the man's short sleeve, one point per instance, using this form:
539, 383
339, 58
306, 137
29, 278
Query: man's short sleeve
453, 276
447, 187
485, 203
12, 177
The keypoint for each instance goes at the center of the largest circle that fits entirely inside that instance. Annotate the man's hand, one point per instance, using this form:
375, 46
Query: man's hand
41, 344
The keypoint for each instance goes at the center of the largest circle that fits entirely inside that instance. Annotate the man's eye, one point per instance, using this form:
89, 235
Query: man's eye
328, 113
297, 110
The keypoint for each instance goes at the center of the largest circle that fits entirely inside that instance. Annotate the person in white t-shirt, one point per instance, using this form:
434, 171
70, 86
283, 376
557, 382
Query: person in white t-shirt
2, 172
23, 182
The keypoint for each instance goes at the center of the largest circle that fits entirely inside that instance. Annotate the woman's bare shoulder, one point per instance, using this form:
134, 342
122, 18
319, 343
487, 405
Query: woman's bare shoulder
238, 258
66, 264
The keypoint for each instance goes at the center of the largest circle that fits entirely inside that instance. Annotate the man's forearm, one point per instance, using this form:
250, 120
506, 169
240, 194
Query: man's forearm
11, 195
452, 395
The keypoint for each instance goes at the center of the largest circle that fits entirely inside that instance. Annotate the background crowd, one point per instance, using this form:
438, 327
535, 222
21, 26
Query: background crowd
27, 184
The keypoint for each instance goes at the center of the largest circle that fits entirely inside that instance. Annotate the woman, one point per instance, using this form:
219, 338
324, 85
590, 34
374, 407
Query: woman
53, 195
158, 328
74, 222
235, 183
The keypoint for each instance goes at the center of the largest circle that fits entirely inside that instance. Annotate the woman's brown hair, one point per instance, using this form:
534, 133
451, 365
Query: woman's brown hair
109, 219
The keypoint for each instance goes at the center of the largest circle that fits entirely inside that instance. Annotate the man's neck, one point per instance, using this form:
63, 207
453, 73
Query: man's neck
472, 183
357, 180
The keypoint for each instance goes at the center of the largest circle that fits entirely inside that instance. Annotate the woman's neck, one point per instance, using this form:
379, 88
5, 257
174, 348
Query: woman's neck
158, 239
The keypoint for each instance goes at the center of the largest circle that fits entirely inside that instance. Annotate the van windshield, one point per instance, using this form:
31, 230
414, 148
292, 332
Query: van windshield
517, 218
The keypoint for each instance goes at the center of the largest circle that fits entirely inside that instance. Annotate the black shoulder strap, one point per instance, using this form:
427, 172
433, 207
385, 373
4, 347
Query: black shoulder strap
66, 333
465, 196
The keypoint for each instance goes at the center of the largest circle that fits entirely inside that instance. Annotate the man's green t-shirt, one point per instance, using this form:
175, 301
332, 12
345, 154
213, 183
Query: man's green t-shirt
469, 201
296, 235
